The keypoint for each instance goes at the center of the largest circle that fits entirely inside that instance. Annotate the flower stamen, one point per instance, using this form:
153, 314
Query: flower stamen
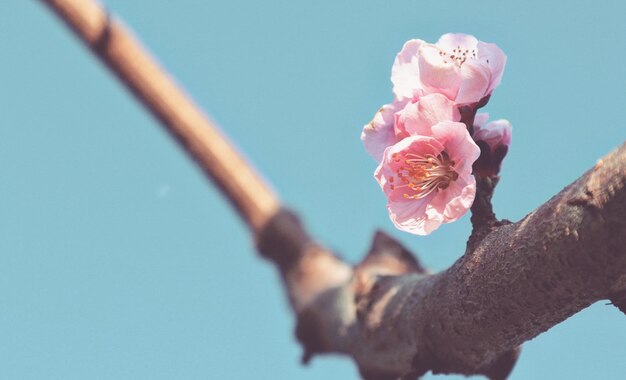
423, 174
458, 55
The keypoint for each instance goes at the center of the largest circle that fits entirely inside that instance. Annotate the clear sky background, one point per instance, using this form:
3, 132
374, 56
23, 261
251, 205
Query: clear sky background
119, 261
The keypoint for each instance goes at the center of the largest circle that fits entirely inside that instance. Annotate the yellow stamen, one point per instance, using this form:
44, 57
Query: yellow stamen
423, 174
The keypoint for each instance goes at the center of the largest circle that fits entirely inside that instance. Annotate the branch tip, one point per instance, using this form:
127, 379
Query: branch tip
389, 255
619, 301
308, 334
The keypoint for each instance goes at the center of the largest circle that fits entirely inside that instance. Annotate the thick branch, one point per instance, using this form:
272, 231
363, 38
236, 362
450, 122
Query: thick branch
391, 316
396, 320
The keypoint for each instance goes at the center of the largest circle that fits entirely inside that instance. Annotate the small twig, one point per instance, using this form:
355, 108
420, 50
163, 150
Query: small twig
482, 210
483, 218
123, 54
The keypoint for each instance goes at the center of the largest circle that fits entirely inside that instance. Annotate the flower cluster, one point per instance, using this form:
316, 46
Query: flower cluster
429, 140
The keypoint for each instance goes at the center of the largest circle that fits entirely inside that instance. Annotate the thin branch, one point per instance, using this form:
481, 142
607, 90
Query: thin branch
115, 46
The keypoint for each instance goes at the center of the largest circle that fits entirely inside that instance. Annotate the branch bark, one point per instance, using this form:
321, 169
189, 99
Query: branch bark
393, 317
114, 45
398, 321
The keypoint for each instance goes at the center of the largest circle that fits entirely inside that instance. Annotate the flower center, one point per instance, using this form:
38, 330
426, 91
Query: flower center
458, 55
424, 174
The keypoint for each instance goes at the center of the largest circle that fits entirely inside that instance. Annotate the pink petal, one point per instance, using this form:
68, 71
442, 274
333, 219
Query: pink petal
417, 118
405, 74
496, 59
459, 144
437, 73
379, 133
388, 166
456, 200
497, 132
411, 216
451, 41
475, 82
480, 120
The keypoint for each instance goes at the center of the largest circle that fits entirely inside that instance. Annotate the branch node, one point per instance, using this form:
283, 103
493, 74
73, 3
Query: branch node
386, 259
483, 218
104, 37
619, 301
584, 199
390, 256
307, 333
283, 239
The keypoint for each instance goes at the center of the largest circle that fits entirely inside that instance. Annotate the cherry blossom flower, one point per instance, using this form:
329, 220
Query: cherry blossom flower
458, 65
419, 116
428, 179
398, 120
497, 132
494, 139
379, 133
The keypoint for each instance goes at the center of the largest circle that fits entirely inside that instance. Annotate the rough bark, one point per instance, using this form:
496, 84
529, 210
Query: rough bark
393, 317
515, 281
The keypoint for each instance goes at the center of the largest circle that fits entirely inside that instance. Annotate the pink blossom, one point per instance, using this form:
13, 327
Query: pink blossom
379, 133
428, 179
419, 116
401, 119
497, 132
494, 139
458, 65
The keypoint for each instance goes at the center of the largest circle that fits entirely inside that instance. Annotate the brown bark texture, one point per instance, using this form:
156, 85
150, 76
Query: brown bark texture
515, 281
393, 317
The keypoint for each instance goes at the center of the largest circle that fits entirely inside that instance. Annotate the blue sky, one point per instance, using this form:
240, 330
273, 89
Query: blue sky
119, 261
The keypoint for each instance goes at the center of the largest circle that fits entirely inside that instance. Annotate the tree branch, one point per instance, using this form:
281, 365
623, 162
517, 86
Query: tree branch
394, 319
388, 313
110, 41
